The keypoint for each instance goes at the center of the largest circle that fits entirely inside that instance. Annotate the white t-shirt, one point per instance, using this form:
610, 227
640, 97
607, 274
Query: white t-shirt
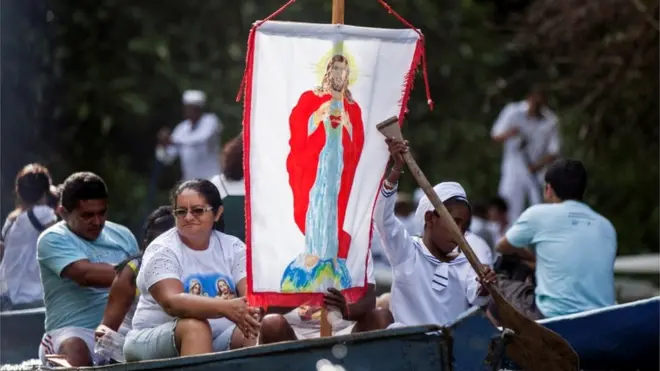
198, 147
228, 187
424, 289
308, 317
212, 272
542, 137
19, 270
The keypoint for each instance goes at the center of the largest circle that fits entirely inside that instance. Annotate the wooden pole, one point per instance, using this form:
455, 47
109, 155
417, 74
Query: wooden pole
337, 18
337, 11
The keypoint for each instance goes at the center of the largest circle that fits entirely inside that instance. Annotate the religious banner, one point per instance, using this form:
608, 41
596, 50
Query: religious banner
314, 94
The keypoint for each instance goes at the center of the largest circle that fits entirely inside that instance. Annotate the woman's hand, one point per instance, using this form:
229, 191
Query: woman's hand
246, 318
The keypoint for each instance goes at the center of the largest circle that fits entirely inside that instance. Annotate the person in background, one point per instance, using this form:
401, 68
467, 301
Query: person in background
479, 224
231, 186
575, 247
20, 284
498, 217
528, 130
76, 260
124, 293
196, 140
433, 283
304, 322
187, 276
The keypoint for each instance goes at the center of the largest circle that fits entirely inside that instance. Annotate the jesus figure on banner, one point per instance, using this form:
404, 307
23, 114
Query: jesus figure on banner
327, 136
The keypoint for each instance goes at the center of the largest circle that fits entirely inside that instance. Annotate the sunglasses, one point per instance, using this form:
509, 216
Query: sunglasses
196, 211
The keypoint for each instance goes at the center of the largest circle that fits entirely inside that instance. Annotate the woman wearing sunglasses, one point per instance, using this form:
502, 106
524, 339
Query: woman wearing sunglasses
171, 319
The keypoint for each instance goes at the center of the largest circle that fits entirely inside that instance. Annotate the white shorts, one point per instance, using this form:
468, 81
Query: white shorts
51, 341
315, 332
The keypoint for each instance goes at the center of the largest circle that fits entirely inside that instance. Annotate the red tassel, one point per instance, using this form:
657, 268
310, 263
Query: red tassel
419, 51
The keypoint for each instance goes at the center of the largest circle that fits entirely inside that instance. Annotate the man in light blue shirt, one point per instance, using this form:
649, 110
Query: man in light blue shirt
575, 247
76, 258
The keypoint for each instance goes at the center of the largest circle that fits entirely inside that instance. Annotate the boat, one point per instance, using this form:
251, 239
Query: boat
621, 337
20, 334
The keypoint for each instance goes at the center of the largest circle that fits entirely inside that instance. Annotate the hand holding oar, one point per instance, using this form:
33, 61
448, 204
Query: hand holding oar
533, 347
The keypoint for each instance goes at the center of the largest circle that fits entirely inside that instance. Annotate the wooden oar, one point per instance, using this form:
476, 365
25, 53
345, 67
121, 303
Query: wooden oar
532, 346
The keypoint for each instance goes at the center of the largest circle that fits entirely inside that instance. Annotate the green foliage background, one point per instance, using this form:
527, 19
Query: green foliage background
86, 85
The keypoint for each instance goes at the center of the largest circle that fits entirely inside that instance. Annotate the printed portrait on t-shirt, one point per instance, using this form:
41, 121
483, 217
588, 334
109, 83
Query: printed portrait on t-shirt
223, 290
195, 288
210, 284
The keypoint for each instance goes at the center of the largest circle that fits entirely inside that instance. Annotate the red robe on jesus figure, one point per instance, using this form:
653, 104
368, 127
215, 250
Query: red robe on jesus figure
327, 137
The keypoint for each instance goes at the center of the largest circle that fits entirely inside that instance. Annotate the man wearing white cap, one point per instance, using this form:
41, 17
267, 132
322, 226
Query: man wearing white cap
433, 283
196, 140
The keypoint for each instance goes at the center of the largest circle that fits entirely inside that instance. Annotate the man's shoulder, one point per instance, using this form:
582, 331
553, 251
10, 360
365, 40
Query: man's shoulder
118, 229
55, 232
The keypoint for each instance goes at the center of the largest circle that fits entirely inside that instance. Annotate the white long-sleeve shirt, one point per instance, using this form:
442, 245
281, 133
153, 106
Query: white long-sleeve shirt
198, 147
424, 289
542, 137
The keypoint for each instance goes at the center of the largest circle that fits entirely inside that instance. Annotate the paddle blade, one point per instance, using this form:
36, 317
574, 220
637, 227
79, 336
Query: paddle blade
390, 128
534, 347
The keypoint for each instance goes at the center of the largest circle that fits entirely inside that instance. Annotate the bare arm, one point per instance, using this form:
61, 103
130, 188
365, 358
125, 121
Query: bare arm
120, 299
500, 138
505, 248
88, 274
361, 307
543, 162
504, 127
170, 295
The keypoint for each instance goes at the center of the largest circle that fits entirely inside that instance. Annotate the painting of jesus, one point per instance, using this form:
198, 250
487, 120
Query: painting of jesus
327, 138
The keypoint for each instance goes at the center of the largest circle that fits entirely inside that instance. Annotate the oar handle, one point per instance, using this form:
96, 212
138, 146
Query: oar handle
443, 212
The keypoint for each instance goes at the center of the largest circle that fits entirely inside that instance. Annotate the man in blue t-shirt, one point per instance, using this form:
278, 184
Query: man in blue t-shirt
76, 258
574, 246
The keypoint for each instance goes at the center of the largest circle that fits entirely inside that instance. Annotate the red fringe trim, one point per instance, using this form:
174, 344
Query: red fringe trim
420, 55
266, 299
352, 295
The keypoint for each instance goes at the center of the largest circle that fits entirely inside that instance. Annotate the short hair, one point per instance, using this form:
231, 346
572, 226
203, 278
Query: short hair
233, 158
80, 187
32, 183
499, 203
568, 179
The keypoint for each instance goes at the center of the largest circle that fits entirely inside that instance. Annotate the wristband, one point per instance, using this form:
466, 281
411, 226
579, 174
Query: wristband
389, 184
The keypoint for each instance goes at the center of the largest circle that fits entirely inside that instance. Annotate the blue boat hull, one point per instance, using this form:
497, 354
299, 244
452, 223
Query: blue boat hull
623, 337
20, 334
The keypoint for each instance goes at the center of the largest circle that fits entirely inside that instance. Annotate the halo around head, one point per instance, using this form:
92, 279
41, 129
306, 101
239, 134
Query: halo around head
322, 64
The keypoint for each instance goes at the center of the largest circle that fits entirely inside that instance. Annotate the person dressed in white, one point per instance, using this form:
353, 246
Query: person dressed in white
196, 140
192, 285
433, 284
528, 130
20, 283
